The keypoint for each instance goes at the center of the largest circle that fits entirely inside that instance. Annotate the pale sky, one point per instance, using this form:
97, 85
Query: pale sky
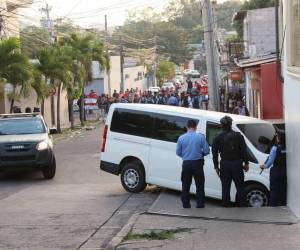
90, 12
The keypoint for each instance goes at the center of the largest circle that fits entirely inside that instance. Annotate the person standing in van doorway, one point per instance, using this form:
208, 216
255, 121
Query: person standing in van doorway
192, 147
278, 180
232, 147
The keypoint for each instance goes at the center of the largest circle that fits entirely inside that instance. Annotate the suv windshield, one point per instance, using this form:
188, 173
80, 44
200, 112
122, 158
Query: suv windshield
261, 135
22, 126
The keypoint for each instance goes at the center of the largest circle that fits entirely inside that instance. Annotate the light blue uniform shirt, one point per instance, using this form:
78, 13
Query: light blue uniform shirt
192, 146
271, 158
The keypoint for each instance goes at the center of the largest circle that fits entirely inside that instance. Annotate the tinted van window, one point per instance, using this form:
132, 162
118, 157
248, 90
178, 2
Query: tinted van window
212, 129
132, 122
261, 135
169, 128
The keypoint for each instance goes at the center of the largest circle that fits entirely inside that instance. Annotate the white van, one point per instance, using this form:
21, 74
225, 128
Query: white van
139, 143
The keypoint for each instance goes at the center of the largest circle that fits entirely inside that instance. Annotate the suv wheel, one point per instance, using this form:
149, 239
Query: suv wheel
133, 177
49, 171
256, 195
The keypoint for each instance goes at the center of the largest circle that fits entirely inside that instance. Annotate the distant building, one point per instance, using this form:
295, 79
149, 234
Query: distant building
264, 90
258, 31
134, 76
9, 23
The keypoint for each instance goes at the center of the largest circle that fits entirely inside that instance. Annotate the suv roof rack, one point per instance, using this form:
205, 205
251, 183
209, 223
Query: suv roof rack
18, 115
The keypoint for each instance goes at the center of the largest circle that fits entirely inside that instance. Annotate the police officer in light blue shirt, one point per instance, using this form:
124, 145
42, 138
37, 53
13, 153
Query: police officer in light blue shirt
192, 147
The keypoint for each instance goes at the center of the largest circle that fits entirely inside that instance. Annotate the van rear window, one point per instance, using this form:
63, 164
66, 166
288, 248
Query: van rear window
132, 122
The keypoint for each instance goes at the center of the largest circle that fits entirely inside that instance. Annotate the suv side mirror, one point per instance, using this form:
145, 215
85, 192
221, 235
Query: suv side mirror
52, 131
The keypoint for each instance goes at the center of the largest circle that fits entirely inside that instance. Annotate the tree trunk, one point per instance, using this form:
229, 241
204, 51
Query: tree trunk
58, 108
82, 110
71, 113
52, 111
43, 107
12, 102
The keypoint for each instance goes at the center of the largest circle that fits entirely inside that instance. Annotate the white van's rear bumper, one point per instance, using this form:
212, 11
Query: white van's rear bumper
109, 167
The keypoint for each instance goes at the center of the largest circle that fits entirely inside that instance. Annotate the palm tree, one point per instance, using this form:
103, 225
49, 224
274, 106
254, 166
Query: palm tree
40, 87
14, 69
85, 50
54, 65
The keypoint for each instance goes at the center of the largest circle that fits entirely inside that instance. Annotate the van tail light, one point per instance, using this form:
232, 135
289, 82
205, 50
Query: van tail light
104, 139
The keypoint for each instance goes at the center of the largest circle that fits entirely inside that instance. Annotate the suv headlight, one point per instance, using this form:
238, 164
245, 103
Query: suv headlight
42, 146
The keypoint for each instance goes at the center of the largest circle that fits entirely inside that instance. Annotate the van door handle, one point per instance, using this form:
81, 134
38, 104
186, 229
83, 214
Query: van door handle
133, 141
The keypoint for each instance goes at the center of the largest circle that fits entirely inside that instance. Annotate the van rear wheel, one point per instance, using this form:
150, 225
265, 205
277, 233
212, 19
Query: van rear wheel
256, 195
133, 177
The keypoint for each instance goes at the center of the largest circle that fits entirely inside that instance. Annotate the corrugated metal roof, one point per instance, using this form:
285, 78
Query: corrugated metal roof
246, 63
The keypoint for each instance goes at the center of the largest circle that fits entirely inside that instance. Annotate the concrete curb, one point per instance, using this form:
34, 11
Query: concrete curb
115, 241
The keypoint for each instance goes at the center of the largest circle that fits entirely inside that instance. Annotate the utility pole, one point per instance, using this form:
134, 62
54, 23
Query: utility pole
211, 55
155, 62
121, 66
49, 26
49, 23
107, 53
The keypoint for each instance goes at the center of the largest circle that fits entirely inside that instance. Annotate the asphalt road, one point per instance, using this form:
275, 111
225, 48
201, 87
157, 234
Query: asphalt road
82, 208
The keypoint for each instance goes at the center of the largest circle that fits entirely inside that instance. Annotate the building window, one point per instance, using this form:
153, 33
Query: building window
295, 34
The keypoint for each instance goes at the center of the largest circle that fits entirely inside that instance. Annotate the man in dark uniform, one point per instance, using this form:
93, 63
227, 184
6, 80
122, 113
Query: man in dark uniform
234, 160
192, 147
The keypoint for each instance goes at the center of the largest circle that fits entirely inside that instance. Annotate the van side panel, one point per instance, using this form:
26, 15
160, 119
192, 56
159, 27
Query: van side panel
121, 145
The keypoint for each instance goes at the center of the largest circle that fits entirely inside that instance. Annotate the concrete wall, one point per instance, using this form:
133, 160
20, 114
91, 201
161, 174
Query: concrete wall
130, 76
30, 101
292, 119
259, 31
96, 85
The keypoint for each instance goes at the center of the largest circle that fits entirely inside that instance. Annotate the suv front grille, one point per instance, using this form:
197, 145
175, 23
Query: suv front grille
18, 147
18, 158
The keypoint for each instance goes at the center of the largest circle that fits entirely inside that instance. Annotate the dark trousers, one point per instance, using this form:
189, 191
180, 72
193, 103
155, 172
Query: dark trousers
232, 171
190, 170
278, 186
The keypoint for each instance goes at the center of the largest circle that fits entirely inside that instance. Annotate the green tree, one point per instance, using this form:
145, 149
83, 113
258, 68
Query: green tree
165, 71
257, 4
167, 39
86, 49
40, 87
14, 69
54, 64
225, 12
33, 39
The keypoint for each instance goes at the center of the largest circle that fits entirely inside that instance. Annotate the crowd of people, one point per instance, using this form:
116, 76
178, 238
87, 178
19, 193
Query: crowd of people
191, 98
163, 97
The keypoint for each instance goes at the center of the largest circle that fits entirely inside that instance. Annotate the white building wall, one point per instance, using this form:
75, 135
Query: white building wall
30, 101
130, 76
292, 119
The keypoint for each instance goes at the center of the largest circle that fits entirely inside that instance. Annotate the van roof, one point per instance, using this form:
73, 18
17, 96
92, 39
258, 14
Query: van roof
213, 115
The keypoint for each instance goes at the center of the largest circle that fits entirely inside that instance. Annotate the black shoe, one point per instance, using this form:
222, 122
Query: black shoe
186, 206
202, 206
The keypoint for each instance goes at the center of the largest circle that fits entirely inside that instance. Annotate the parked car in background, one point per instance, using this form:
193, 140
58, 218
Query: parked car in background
168, 85
26, 144
75, 106
194, 74
154, 89
186, 72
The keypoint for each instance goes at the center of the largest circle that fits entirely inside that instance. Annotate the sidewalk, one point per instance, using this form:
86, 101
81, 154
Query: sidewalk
214, 227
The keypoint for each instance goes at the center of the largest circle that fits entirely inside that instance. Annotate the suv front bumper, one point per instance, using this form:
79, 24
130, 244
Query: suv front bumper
29, 160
